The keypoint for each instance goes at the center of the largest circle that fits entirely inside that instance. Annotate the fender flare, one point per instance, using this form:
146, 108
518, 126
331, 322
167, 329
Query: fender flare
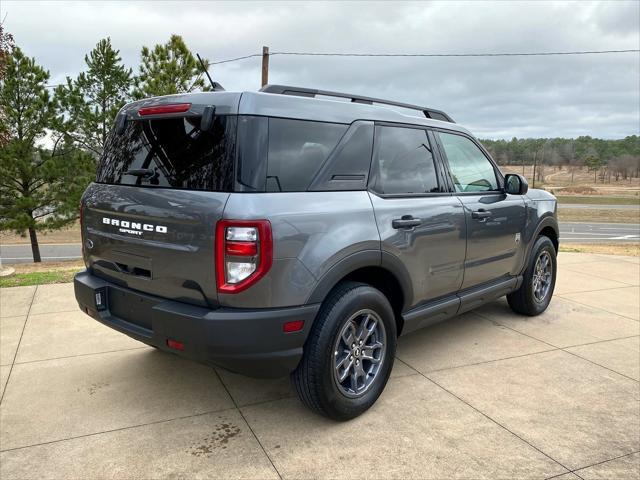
356, 261
547, 221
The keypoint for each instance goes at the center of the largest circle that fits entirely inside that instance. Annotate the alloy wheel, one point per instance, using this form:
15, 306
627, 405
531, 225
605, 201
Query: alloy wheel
359, 352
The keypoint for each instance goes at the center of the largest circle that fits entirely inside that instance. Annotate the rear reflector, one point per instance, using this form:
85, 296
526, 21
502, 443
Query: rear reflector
175, 344
293, 326
161, 109
247, 249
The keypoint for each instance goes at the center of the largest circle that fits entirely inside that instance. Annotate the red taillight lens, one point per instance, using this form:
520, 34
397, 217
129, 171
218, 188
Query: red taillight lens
244, 253
168, 108
175, 344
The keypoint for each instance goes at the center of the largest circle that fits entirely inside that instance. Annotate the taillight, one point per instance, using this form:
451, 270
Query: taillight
167, 108
244, 253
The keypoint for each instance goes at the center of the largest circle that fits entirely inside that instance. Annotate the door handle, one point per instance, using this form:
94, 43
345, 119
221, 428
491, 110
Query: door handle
481, 214
407, 221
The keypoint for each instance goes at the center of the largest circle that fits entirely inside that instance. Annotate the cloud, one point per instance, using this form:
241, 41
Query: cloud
594, 95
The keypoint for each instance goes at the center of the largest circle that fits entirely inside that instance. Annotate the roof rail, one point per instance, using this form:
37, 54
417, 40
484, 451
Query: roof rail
311, 92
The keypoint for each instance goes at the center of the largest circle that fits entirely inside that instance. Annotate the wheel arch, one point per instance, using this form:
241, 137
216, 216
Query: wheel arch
381, 270
547, 226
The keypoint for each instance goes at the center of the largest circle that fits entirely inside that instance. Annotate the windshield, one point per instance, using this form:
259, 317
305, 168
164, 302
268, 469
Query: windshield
171, 153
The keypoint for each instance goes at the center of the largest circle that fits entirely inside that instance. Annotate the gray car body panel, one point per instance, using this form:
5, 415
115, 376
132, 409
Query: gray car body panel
312, 232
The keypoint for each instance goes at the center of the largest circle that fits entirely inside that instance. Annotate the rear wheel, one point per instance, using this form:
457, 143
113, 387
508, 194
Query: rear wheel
349, 353
534, 295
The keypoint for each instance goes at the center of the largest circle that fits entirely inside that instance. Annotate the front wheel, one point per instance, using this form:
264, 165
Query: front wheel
534, 295
349, 354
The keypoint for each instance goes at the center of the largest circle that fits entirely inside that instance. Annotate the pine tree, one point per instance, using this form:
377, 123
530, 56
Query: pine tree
6, 47
90, 103
39, 188
168, 69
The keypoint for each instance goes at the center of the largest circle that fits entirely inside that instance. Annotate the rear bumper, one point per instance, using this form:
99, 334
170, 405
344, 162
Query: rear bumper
247, 341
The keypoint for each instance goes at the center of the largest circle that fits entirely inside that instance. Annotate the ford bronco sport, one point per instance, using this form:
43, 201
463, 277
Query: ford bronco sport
296, 231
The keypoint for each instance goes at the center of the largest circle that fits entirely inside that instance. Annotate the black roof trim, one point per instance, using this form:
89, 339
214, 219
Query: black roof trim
310, 92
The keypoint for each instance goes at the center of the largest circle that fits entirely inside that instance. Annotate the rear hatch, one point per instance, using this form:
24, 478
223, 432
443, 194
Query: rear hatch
162, 184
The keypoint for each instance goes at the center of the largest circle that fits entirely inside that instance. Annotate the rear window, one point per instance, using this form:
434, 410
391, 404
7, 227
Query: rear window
404, 162
297, 150
176, 153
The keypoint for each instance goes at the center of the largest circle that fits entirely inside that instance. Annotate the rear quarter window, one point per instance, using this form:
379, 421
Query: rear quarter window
297, 150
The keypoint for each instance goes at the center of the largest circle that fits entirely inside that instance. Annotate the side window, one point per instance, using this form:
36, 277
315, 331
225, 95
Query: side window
470, 169
404, 161
297, 149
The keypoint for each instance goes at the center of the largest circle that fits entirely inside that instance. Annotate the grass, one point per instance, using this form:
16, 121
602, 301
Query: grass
41, 273
598, 200
626, 248
598, 215
37, 278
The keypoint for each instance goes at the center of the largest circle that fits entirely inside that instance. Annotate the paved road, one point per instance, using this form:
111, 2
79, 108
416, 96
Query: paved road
569, 232
599, 232
565, 206
55, 252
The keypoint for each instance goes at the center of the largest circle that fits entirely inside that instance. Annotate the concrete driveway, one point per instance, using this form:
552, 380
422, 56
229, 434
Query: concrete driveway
488, 395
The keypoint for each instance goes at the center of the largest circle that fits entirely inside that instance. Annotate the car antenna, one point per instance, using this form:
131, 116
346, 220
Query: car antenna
215, 85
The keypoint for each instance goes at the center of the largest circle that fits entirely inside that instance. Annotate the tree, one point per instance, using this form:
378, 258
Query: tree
593, 162
168, 69
6, 47
90, 103
39, 188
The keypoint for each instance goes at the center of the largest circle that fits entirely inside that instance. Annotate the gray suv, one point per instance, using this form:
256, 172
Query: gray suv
296, 231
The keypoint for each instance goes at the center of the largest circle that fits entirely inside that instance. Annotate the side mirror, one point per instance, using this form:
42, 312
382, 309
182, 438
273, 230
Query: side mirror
515, 184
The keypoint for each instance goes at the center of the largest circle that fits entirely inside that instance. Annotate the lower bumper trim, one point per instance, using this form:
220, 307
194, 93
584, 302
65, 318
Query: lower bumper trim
247, 341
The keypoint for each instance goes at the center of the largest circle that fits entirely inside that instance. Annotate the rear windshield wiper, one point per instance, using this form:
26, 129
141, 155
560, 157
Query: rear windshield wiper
145, 174
140, 172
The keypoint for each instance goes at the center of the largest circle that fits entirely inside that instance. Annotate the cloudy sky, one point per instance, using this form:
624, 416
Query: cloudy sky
597, 95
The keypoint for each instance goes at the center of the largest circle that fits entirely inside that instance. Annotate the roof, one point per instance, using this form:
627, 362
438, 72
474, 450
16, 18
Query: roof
295, 107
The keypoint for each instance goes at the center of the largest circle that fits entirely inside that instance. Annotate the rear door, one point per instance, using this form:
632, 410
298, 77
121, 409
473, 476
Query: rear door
419, 222
149, 219
495, 220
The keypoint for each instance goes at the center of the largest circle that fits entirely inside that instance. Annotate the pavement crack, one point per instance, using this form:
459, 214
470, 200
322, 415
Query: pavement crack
139, 425
496, 422
248, 425
15, 355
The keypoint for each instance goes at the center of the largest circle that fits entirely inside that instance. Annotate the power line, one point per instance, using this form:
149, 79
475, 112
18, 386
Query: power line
516, 54
236, 59
427, 55
502, 54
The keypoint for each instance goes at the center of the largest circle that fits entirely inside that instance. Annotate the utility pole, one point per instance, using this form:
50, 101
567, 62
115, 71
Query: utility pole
265, 65
534, 168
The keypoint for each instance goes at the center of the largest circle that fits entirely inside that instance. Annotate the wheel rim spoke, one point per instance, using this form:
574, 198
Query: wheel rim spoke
344, 369
369, 352
349, 335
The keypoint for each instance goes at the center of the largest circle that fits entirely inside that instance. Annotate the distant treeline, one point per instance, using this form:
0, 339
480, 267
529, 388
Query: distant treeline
620, 158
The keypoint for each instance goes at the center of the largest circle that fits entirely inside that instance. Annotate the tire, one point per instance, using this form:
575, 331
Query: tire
316, 378
528, 300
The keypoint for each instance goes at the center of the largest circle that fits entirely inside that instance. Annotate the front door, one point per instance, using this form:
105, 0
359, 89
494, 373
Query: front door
419, 222
495, 220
